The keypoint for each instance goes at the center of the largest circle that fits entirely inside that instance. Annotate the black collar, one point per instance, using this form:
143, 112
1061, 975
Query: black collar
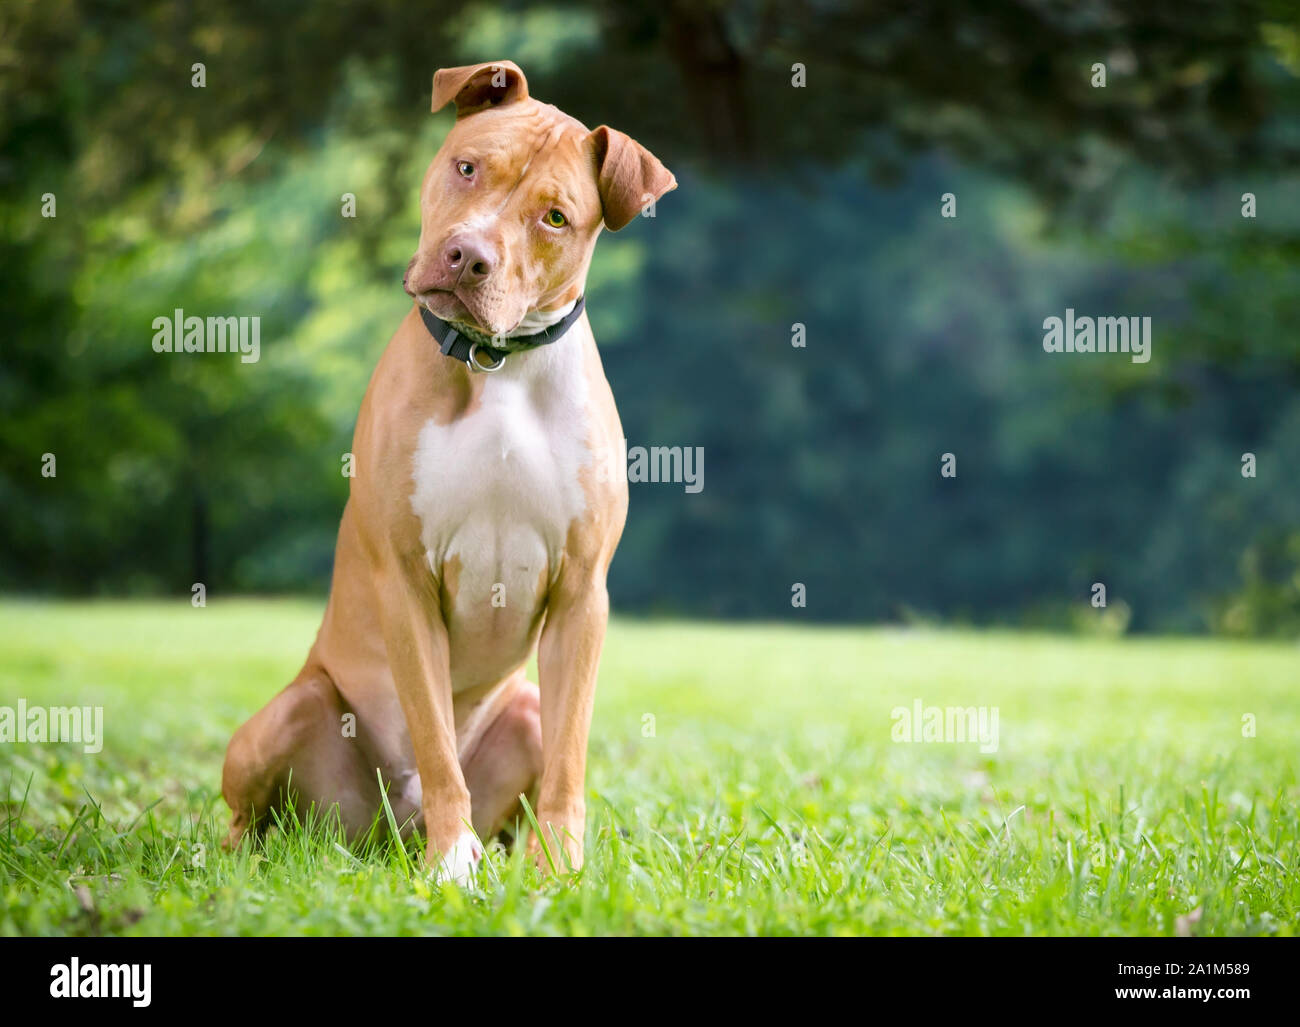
455, 344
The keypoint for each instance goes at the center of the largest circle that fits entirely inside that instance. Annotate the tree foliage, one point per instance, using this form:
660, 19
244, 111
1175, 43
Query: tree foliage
816, 205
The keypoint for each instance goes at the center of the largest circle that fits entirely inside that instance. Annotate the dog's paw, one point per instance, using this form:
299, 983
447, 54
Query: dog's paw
563, 853
236, 835
461, 861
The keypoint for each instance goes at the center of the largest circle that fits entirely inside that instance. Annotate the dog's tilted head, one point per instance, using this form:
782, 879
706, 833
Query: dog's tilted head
513, 202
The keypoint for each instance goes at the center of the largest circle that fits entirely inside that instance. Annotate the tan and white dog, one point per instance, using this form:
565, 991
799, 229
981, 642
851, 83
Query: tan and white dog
477, 526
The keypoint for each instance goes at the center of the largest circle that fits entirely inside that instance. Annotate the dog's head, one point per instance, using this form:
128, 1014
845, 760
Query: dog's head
512, 203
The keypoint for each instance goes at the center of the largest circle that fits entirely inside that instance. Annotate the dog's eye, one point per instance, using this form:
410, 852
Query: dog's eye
555, 219
465, 168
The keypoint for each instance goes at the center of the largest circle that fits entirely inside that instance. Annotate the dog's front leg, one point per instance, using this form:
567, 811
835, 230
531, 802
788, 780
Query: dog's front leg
567, 661
418, 654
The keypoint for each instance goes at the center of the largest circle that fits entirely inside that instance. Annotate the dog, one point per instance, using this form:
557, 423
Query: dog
477, 529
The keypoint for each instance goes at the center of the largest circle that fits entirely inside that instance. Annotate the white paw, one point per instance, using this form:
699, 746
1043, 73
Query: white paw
461, 860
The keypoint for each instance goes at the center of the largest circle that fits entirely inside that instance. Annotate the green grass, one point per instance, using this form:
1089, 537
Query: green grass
769, 798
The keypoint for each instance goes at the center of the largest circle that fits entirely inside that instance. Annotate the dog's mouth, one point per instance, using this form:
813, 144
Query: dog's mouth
446, 305
449, 305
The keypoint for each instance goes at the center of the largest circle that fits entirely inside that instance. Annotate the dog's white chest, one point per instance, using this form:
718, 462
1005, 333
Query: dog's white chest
497, 489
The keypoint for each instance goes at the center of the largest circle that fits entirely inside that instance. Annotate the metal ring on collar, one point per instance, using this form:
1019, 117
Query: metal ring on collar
474, 364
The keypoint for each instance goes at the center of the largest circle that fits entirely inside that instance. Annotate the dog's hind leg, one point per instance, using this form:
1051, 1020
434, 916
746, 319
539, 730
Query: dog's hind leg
295, 750
500, 743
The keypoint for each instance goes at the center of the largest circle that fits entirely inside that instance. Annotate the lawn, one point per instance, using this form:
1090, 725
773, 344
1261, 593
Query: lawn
742, 780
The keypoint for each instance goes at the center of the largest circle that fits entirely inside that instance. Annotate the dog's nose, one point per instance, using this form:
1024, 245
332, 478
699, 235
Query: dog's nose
469, 259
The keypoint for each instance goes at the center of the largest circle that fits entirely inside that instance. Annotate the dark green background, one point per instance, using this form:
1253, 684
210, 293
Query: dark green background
817, 205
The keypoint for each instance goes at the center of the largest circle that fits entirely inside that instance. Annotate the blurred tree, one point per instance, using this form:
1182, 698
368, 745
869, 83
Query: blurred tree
820, 463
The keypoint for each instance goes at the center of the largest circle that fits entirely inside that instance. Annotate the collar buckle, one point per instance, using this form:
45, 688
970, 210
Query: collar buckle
473, 363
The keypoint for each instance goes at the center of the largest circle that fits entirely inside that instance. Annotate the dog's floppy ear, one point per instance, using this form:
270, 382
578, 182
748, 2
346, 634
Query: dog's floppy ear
476, 87
628, 175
